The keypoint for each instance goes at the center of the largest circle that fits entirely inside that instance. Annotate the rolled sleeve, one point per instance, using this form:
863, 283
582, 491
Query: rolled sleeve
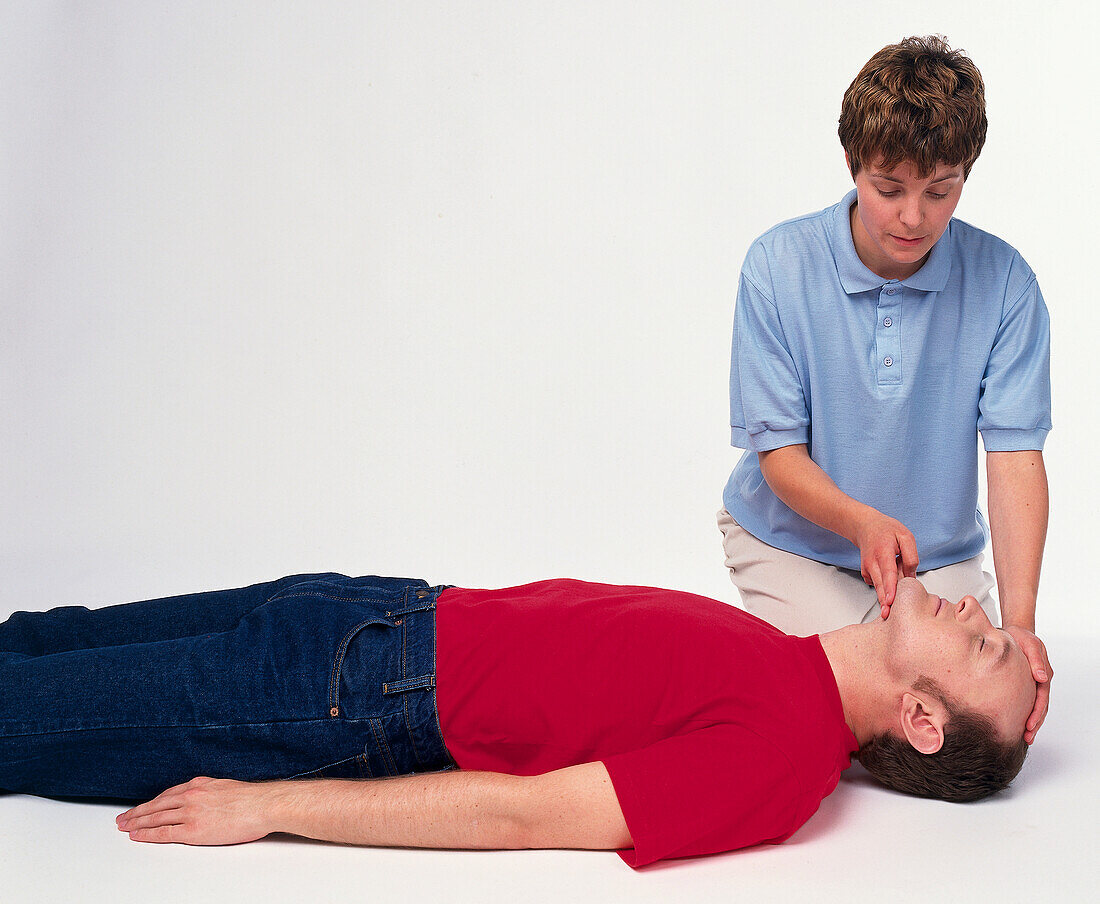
1014, 400
767, 403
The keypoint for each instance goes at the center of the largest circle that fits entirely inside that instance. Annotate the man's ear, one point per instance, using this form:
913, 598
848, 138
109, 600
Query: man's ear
848, 163
922, 721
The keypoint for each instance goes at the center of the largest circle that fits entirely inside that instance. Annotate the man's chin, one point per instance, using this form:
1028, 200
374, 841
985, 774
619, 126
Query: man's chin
907, 599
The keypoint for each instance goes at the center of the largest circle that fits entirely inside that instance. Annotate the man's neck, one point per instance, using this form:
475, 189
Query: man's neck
866, 689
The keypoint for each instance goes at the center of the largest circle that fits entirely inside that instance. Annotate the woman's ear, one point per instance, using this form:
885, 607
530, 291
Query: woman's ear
922, 721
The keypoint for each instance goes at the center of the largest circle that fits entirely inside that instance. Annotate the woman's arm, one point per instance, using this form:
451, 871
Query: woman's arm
800, 482
1018, 512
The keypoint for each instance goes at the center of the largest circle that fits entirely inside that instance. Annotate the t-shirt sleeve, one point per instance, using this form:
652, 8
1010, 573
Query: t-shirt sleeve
715, 789
1014, 400
767, 405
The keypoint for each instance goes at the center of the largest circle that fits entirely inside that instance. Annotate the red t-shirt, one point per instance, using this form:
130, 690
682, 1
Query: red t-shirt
718, 730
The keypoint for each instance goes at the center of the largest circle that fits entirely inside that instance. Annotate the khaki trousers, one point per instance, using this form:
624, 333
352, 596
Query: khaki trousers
801, 596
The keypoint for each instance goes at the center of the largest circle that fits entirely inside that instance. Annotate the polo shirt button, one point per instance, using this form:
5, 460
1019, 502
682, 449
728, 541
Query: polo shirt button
887, 321
890, 291
888, 361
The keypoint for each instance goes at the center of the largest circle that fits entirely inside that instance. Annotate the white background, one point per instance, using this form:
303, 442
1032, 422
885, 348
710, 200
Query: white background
445, 290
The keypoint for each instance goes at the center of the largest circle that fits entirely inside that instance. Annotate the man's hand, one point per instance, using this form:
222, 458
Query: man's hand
202, 811
887, 552
1036, 653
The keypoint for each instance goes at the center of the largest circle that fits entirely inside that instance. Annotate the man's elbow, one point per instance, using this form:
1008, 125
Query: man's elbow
581, 834
502, 832
562, 810
505, 818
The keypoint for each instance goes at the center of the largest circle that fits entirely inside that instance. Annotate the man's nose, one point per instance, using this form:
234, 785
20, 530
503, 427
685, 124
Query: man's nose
966, 608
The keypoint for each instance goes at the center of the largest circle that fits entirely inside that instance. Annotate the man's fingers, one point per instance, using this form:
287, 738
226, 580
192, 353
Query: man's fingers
158, 834
169, 798
152, 820
165, 801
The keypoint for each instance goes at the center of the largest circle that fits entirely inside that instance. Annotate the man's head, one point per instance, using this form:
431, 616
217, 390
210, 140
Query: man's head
966, 692
911, 125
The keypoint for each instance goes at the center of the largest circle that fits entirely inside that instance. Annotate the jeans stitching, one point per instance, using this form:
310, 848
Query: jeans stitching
355, 598
383, 745
338, 661
334, 688
435, 699
308, 772
126, 726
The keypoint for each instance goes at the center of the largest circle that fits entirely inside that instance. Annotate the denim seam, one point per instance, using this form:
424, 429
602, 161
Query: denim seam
404, 649
346, 759
411, 733
137, 725
383, 745
354, 598
433, 689
405, 701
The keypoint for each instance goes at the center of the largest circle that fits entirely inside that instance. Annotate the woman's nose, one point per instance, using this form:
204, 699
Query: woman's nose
911, 213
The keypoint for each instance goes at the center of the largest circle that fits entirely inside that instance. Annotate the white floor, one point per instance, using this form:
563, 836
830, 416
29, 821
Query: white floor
1035, 843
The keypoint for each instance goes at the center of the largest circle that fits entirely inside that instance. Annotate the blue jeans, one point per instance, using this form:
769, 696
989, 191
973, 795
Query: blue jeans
317, 675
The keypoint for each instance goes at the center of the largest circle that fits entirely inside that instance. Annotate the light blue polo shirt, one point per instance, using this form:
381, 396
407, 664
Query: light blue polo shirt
887, 382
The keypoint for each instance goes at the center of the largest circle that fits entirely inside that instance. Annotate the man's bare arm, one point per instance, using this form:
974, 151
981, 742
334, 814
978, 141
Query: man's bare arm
801, 483
574, 807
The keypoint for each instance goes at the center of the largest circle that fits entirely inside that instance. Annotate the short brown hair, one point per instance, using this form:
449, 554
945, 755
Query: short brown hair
917, 101
972, 763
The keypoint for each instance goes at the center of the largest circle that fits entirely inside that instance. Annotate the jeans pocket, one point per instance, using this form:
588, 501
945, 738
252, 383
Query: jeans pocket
371, 638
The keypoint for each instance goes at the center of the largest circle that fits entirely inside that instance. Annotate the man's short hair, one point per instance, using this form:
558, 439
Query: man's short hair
917, 101
972, 763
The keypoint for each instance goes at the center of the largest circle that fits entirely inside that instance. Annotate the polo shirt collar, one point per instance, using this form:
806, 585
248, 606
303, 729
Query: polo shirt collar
854, 275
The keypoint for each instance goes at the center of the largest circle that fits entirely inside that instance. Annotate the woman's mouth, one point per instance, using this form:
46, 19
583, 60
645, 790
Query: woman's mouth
907, 243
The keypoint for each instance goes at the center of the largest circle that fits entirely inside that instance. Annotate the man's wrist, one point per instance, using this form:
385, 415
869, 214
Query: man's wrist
274, 805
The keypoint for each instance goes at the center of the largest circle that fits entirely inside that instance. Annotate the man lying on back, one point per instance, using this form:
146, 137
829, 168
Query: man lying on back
558, 714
